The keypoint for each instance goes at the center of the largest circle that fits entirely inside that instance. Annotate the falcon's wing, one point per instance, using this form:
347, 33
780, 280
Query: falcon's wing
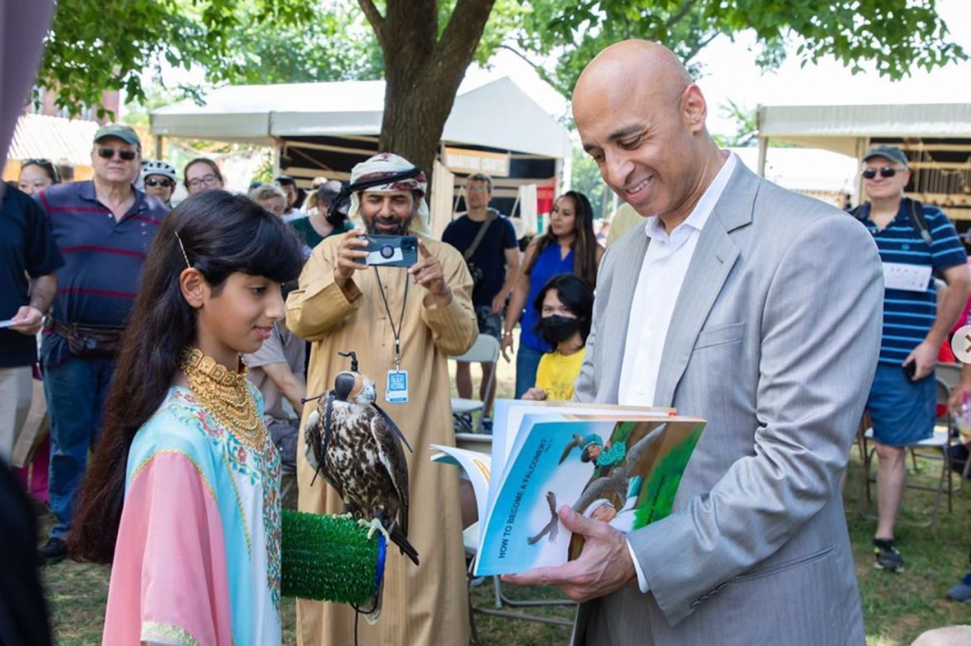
393, 426
392, 458
577, 441
551, 528
637, 452
600, 488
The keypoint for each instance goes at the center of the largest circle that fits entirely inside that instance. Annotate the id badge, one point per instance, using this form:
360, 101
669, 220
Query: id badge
397, 391
909, 278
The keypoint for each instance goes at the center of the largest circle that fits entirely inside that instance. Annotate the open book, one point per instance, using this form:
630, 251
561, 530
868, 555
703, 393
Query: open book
621, 465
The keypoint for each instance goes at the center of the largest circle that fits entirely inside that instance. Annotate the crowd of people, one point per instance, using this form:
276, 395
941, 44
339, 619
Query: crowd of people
180, 345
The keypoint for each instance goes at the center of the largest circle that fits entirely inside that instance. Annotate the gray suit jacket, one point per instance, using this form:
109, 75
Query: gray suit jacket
774, 341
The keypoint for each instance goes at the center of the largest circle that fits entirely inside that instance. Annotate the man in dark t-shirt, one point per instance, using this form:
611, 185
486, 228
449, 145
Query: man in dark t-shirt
493, 259
27, 249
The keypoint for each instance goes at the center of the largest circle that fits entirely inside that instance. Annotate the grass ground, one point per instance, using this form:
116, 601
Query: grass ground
896, 608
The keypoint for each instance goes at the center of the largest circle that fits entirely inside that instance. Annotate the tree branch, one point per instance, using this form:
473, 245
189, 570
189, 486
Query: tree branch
700, 46
464, 29
374, 17
540, 71
681, 14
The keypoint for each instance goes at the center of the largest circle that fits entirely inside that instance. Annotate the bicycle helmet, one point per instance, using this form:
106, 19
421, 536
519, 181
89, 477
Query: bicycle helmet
155, 167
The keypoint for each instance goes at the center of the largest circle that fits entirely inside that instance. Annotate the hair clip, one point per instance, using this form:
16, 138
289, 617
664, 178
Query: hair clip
184, 255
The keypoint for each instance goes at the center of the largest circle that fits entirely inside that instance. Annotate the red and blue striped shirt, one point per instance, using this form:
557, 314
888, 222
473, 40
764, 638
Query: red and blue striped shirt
104, 257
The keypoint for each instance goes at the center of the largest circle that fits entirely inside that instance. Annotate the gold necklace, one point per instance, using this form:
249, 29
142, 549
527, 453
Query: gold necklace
225, 395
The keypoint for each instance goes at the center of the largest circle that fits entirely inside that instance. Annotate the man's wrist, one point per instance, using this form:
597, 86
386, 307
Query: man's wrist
443, 297
934, 339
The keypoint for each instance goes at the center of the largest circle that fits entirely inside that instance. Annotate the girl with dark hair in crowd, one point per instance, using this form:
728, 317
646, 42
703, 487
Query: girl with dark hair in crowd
202, 174
569, 246
322, 221
565, 309
36, 175
182, 496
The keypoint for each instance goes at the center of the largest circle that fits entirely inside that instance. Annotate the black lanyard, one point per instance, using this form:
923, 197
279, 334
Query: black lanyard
401, 321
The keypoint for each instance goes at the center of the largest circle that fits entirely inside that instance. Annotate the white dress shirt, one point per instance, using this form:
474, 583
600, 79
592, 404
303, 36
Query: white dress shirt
658, 286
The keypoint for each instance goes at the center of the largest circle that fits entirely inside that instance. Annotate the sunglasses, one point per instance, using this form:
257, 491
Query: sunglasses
886, 171
109, 153
151, 181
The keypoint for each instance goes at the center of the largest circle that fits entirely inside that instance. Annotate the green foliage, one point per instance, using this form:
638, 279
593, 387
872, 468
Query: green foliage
896, 35
101, 45
95, 46
746, 126
587, 180
656, 498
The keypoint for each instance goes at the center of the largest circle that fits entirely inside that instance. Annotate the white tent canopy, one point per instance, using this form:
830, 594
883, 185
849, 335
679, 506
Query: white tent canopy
842, 128
496, 115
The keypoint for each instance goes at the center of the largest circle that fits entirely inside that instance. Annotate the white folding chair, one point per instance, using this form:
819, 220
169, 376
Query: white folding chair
938, 446
949, 373
485, 350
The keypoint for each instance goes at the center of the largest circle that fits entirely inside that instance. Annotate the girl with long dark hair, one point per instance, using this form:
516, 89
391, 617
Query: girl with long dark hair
569, 246
182, 496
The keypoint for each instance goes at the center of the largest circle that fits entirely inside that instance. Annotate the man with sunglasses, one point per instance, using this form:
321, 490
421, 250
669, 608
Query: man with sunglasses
915, 241
104, 228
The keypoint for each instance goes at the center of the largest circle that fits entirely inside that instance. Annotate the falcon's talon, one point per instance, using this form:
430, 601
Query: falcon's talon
374, 525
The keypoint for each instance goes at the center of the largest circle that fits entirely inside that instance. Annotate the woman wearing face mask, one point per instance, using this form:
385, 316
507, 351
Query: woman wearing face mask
565, 307
569, 246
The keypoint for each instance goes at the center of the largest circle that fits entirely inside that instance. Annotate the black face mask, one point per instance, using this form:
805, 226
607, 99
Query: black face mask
557, 329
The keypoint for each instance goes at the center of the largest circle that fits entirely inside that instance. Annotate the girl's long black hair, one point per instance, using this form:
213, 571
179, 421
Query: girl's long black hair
222, 234
585, 244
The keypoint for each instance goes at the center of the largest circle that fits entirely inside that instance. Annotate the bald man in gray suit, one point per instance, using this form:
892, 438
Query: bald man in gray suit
756, 309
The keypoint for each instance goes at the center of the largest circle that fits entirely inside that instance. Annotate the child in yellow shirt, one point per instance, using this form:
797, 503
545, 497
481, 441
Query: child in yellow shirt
565, 305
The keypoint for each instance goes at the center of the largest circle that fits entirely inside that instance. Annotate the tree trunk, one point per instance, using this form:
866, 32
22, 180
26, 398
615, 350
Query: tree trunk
422, 71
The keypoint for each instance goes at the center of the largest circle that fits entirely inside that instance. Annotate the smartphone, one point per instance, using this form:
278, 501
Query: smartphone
391, 251
911, 370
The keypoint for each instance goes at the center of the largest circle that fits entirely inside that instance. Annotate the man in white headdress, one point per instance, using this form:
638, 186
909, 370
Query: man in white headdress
403, 324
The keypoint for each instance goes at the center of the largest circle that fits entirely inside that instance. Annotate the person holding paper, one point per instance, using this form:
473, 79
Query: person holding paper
28, 283
403, 324
755, 309
915, 240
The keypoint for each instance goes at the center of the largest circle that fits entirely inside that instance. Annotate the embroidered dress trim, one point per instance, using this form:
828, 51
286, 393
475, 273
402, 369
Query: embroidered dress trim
167, 634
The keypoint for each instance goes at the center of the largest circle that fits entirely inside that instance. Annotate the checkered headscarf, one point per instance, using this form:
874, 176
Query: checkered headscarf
391, 166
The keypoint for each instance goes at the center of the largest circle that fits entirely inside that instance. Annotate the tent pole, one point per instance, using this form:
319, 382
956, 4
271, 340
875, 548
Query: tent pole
862, 143
763, 151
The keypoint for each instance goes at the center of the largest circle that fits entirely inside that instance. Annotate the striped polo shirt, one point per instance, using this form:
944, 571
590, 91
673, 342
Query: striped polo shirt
908, 316
103, 256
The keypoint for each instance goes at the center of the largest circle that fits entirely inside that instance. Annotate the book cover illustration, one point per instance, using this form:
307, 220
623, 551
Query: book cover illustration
623, 472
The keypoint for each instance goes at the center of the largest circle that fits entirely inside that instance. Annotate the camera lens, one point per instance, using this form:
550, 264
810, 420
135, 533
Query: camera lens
387, 251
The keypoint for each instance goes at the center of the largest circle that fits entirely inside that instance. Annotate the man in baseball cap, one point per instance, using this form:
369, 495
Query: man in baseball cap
912, 238
119, 131
888, 153
104, 227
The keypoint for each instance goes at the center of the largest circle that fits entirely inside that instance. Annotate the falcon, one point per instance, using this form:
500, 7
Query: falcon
357, 448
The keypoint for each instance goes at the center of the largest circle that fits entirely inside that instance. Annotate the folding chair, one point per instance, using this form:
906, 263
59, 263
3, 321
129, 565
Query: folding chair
949, 373
471, 539
938, 446
485, 350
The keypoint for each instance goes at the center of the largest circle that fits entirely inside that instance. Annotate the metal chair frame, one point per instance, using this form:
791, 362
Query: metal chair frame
865, 434
486, 349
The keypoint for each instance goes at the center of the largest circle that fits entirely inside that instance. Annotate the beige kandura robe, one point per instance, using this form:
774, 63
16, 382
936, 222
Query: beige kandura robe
427, 604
